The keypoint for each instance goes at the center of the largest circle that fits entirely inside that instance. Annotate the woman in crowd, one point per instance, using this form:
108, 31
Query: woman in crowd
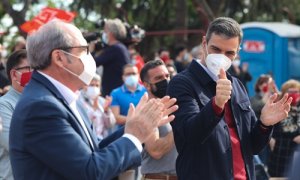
286, 133
97, 108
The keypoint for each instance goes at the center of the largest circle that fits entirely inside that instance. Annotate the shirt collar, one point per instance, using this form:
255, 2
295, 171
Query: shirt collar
66, 92
214, 77
13, 90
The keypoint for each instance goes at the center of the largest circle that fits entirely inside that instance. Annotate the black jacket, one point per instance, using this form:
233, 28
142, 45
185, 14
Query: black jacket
202, 139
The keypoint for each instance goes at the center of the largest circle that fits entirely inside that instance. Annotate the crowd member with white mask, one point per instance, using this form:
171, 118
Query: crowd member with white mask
216, 132
240, 70
130, 92
50, 135
97, 107
19, 73
113, 57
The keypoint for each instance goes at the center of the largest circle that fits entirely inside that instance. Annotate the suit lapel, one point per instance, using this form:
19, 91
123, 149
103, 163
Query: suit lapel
88, 123
74, 122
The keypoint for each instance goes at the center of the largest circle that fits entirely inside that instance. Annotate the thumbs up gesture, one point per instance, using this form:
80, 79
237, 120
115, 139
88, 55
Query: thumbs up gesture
223, 89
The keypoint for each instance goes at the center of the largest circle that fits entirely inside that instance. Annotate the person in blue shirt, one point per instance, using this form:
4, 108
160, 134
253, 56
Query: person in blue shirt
19, 72
130, 92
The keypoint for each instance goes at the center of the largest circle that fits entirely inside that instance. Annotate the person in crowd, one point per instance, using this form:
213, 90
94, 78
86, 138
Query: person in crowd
52, 139
4, 81
286, 133
159, 154
19, 44
164, 54
197, 52
182, 58
97, 108
240, 71
294, 172
264, 87
216, 132
4, 90
172, 70
130, 92
114, 57
136, 57
19, 73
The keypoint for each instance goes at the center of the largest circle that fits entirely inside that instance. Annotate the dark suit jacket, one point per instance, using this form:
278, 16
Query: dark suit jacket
202, 139
47, 142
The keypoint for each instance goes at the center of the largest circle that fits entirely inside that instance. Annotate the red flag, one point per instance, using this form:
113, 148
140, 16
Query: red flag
45, 16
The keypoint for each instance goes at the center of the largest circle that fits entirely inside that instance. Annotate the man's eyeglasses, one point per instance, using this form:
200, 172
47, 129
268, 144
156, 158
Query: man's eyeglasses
71, 47
27, 68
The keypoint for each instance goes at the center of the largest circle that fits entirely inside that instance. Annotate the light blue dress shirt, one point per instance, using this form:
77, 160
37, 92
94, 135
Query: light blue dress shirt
7, 105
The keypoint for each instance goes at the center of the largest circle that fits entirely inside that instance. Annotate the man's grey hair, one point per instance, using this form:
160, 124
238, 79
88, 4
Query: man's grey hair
48, 38
226, 27
117, 28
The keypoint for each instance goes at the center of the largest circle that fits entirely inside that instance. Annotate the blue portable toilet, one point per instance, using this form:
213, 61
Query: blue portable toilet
271, 48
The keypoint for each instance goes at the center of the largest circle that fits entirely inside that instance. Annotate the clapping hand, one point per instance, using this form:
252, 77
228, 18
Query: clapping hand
148, 115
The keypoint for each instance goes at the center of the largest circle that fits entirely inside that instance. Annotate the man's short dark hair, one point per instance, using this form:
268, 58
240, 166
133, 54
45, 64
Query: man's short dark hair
149, 65
127, 66
14, 60
224, 26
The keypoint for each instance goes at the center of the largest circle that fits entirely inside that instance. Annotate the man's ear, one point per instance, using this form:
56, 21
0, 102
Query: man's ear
56, 58
13, 75
204, 43
123, 78
147, 85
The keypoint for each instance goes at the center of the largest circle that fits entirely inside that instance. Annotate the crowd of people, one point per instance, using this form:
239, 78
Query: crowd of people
183, 115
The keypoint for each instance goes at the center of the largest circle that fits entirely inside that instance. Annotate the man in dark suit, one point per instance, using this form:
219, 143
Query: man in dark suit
215, 130
50, 136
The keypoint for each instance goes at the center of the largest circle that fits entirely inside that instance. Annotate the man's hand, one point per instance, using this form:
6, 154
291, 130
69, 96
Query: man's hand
223, 89
107, 103
148, 115
297, 139
274, 112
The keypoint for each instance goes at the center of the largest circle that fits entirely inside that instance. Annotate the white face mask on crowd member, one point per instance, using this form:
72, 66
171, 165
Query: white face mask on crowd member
215, 62
131, 80
104, 38
236, 62
92, 92
89, 68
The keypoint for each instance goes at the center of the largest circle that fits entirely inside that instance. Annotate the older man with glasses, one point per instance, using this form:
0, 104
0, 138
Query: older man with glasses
53, 138
19, 73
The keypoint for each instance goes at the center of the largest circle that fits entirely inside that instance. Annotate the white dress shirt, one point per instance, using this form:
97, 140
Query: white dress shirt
71, 98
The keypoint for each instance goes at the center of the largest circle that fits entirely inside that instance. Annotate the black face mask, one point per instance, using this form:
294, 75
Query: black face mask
160, 89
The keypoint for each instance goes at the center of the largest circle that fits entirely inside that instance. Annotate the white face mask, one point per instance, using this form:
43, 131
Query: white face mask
236, 62
215, 62
104, 38
89, 68
131, 80
92, 92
